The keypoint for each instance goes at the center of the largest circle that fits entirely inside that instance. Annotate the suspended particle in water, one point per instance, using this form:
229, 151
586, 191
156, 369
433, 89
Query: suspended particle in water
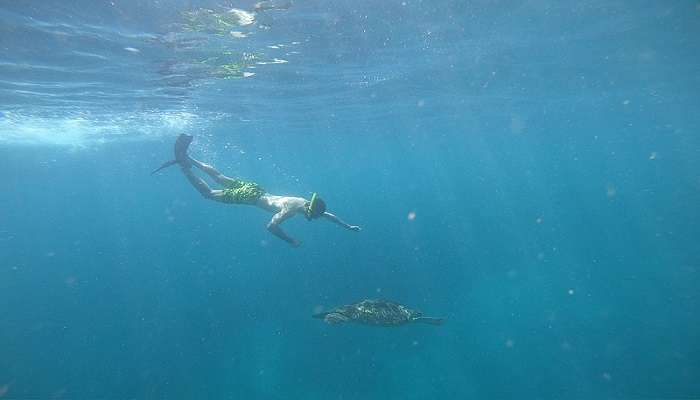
420, 103
132, 49
517, 125
570, 292
59, 393
510, 343
611, 190
538, 220
653, 155
606, 376
626, 102
411, 215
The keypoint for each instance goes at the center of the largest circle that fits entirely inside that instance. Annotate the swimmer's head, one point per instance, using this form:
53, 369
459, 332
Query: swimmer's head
315, 208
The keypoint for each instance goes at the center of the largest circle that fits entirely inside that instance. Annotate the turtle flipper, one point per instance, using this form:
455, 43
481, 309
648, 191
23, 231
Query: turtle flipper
430, 321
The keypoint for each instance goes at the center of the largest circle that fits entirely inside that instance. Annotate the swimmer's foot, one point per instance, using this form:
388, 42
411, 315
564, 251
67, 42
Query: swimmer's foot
181, 145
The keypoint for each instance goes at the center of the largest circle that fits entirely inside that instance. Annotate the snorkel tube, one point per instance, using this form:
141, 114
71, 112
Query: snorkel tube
312, 206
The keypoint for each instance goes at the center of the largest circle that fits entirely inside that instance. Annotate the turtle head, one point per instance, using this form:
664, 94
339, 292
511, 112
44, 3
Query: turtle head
414, 315
335, 317
332, 317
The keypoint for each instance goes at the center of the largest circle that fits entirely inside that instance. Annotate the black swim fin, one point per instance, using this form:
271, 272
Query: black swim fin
181, 145
165, 165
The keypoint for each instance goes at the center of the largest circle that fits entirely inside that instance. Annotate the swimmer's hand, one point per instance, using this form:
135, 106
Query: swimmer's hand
354, 228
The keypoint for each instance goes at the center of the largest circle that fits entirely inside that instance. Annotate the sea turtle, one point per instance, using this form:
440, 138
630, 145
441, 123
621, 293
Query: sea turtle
377, 313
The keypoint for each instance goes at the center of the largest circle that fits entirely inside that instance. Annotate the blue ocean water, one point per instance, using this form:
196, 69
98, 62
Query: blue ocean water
529, 170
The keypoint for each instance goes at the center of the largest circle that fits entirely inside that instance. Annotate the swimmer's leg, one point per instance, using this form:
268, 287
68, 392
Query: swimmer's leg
213, 173
201, 186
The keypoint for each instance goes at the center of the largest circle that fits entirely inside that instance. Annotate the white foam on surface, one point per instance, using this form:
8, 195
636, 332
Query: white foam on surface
84, 130
274, 61
244, 17
89, 55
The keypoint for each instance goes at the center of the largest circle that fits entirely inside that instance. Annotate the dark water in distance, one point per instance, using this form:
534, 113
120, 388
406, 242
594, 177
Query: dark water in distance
529, 170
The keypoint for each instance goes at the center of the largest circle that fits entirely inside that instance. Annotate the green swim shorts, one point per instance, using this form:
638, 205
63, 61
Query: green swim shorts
242, 192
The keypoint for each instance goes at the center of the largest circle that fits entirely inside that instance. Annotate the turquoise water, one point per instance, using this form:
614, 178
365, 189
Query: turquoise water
529, 170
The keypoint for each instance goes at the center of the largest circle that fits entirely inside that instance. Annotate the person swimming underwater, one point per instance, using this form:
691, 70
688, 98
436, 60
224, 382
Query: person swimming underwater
250, 193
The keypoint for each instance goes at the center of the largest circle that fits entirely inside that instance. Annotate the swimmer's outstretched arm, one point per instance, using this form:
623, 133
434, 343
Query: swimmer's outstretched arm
340, 222
274, 227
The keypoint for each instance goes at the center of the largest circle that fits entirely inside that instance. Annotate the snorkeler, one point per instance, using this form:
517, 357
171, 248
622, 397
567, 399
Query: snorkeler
242, 192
